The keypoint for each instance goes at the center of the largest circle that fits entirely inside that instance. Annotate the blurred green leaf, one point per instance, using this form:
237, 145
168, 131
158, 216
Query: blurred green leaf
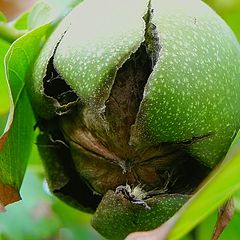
233, 20
76, 222
16, 141
229, 11
218, 187
21, 23
41, 13
32, 218
2, 17
237, 201
48, 10
41, 216
205, 229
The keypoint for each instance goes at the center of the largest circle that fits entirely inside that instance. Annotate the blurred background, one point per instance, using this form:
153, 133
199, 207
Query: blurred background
40, 216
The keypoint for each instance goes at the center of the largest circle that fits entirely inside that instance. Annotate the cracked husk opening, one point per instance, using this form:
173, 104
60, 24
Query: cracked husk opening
93, 147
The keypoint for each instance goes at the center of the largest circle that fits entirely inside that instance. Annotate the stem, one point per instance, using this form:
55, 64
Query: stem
9, 33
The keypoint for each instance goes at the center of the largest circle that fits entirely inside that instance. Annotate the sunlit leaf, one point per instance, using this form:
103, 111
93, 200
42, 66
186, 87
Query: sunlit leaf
222, 183
3, 120
16, 141
4, 100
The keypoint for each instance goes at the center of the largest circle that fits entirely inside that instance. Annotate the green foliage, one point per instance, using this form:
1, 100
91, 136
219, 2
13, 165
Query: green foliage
229, 11
15, 65
19, 129
21, 23
41, 216
51, 10
205, 229
2, 17
4, 101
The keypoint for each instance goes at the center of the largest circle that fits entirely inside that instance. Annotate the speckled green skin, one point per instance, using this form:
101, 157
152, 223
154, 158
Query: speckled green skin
195, 86
191, 98
115, 217
194, 89
93, 51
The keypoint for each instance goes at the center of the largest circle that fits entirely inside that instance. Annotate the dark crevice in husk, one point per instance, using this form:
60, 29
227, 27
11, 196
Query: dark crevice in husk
62, 178
122, 105
195, 139
152, 41
55, 86
187, 174
126, 93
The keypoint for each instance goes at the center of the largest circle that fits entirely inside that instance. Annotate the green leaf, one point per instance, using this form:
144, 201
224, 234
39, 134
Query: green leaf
3, 120
233, 20
205, 229
229, 11
9, 33
48, 10
16, 141
4, 100
2, 17
218, 187
40, 14
21, 23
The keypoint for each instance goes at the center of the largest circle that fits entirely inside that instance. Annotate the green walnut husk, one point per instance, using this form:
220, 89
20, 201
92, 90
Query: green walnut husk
124, 217
139, 93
